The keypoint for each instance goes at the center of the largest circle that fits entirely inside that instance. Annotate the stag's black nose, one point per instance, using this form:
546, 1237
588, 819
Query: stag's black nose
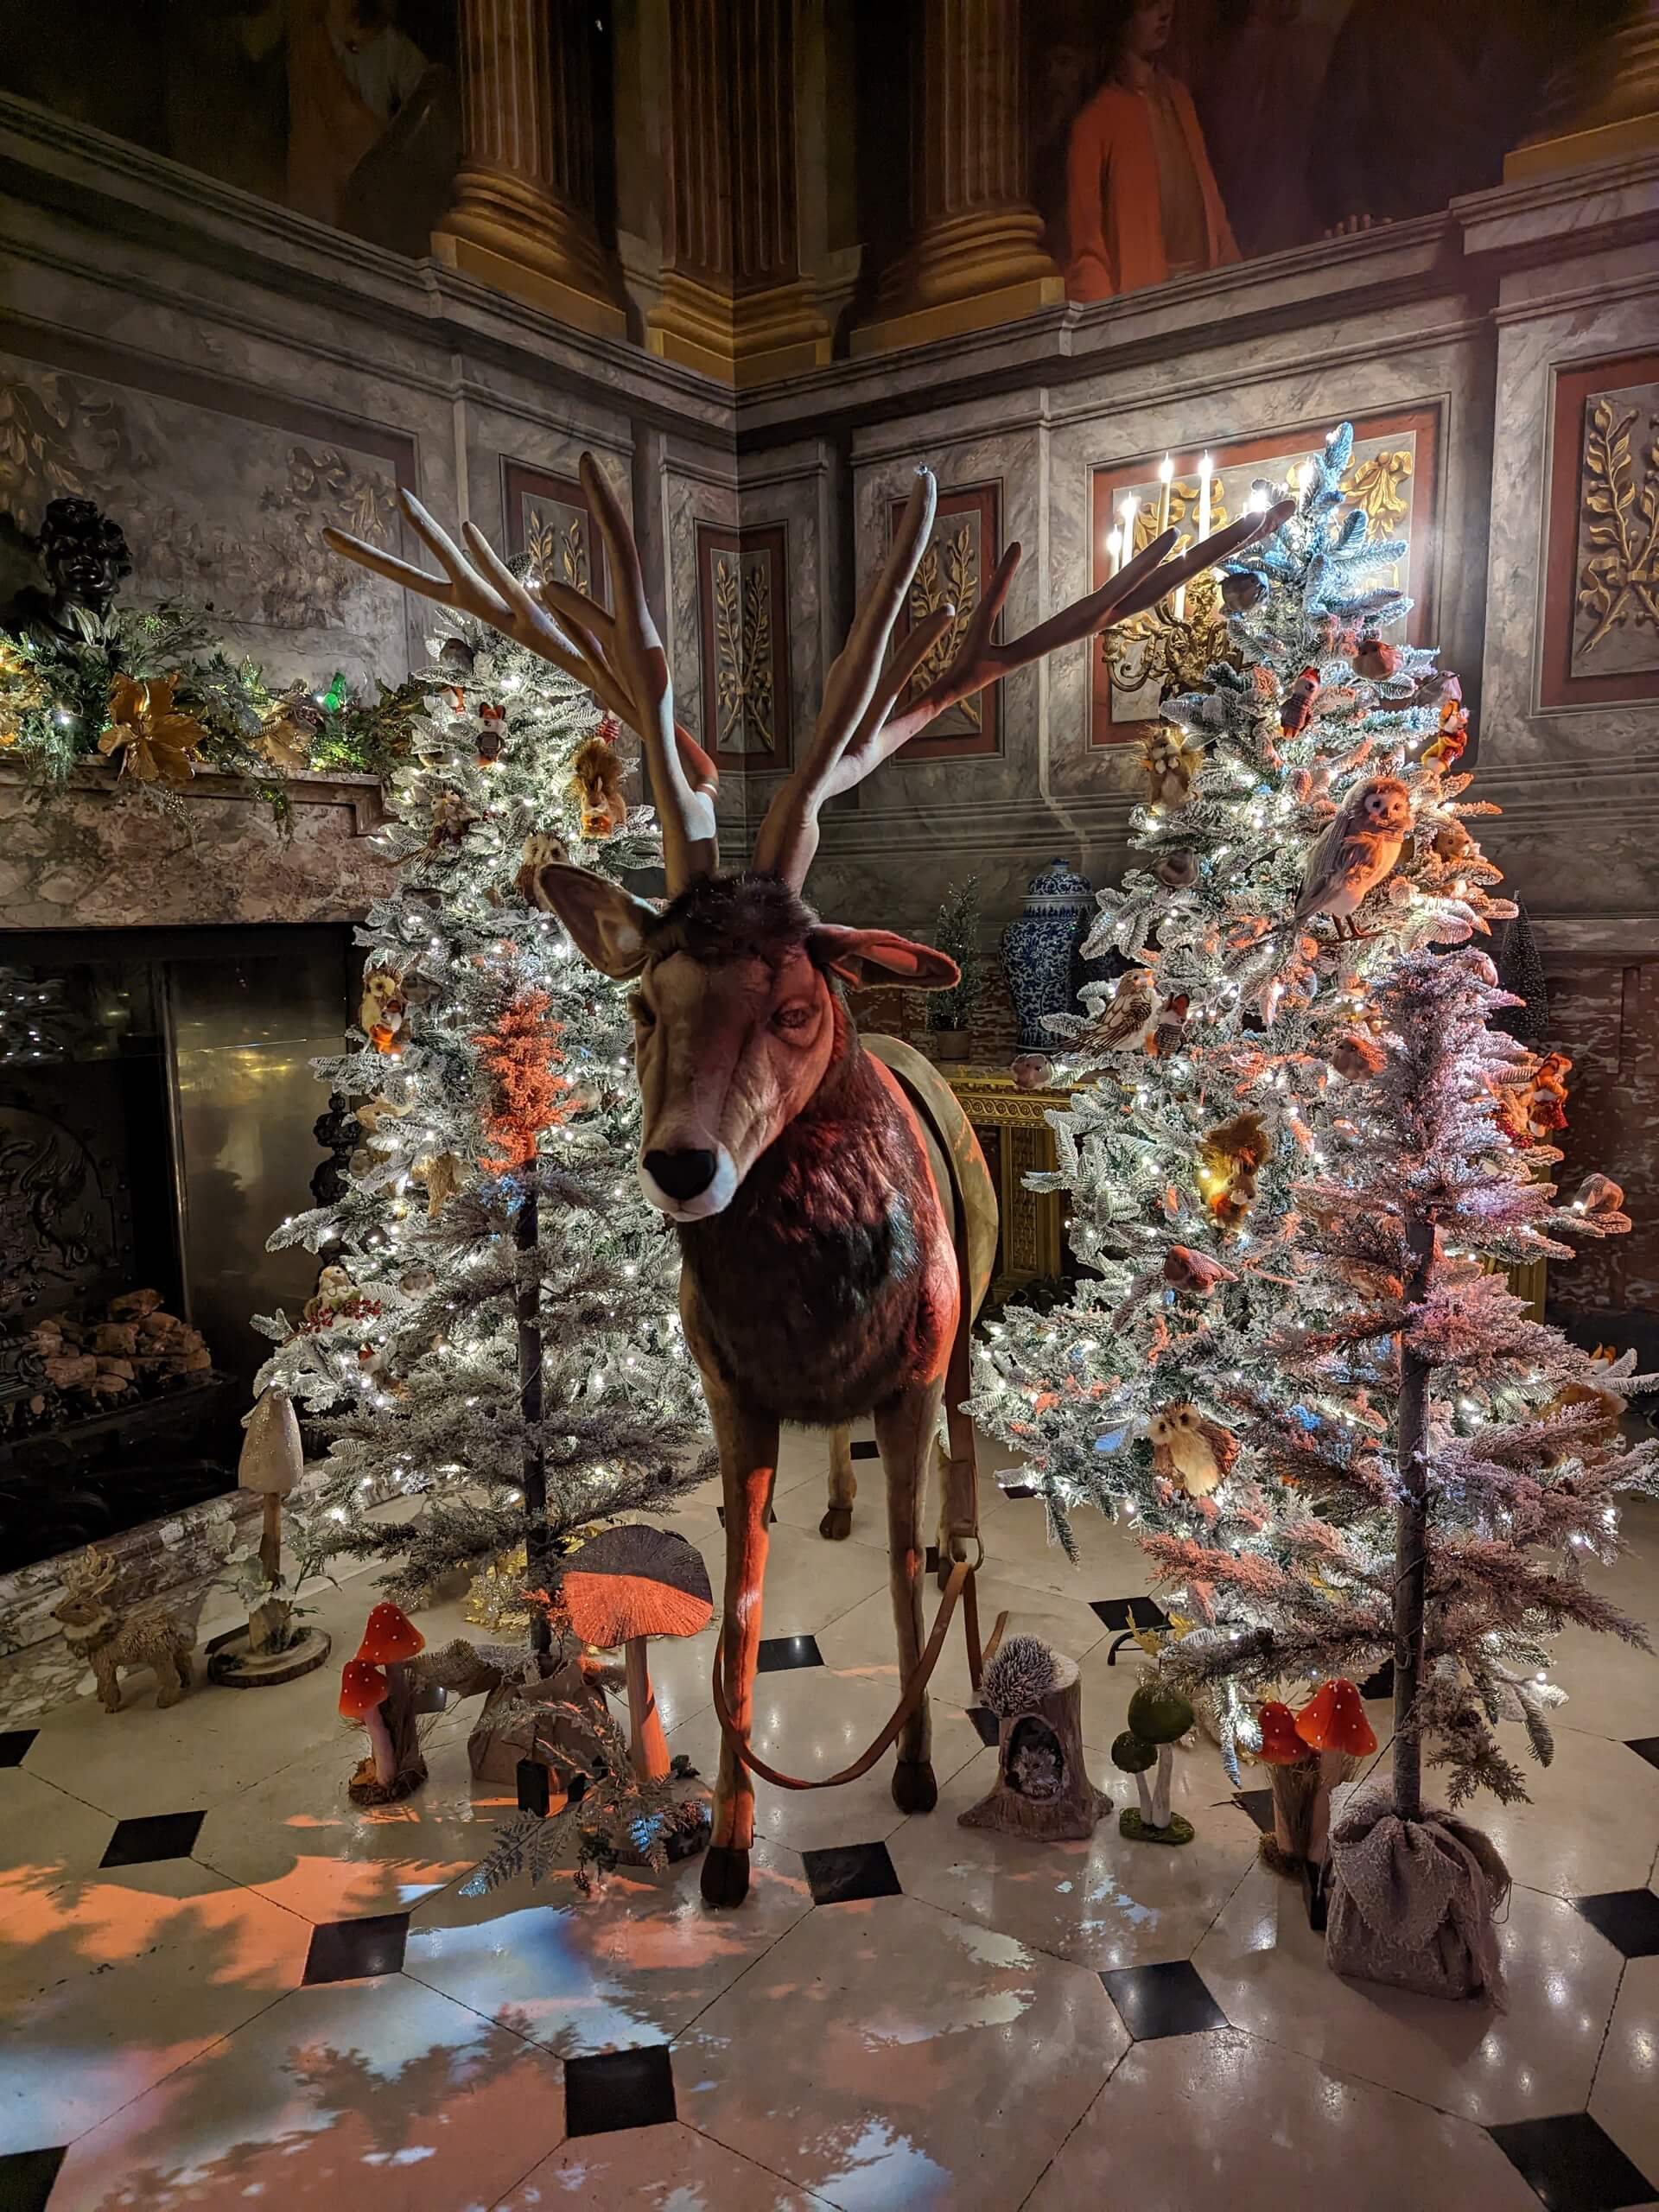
682, 1174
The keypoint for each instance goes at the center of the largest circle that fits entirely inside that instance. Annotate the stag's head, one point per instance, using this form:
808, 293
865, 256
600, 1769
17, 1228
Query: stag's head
738, 1015
84, 1610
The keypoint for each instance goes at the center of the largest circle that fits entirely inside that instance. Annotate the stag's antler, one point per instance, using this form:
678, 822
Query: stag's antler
861, 723
88, 1576
619, 656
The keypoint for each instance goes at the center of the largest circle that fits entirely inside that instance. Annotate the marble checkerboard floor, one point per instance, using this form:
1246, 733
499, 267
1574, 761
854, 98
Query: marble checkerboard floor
219, 1986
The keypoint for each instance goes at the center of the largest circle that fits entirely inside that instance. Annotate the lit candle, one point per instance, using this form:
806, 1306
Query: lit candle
1206, 469
1181, 544
1114, 551
1128, 512
1165, 474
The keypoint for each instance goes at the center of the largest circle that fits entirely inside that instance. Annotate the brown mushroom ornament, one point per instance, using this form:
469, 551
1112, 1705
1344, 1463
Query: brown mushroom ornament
627, 1584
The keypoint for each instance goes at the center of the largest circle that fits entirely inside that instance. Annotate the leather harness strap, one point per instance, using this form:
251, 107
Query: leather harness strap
961, 1480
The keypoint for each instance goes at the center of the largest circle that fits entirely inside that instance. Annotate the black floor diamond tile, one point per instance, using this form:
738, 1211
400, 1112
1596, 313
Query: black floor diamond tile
14, 1743
1381, 1684
1571, 2163
1646, 1747
1019, 1490
985, 1722
1628, 1918
720, 1515
778, 1653
847, 1874
1130, 1612
619, 2088
158, 1835
1258, 1803
355, 1950
1163, 2001
866, 1450
26, 2178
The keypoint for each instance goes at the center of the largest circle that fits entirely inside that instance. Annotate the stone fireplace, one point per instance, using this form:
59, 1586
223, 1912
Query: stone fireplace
166, 980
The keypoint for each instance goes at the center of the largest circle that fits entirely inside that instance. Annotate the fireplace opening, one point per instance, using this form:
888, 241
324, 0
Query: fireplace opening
156, 1107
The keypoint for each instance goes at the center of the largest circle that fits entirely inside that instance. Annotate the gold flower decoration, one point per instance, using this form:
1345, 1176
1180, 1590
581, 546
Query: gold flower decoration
157, 742
284, 744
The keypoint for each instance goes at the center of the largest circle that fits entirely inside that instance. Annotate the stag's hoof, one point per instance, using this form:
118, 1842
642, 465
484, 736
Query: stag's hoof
914, 1790
725, 1875
837, 1523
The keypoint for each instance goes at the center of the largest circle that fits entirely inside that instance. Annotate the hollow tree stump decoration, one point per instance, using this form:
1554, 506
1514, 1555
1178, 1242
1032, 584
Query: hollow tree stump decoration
1042, 1788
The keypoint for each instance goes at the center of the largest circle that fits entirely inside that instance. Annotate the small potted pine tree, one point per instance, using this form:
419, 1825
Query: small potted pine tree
956, 934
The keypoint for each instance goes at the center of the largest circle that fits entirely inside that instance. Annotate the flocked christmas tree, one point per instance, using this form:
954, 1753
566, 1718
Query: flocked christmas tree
495, 1326
1299, 1161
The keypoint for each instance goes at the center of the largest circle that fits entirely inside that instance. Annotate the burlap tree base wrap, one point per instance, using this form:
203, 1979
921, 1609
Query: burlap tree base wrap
1412, 1903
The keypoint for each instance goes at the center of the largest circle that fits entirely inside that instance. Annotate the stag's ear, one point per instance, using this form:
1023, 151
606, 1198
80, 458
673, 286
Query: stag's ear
606, 924
878, 957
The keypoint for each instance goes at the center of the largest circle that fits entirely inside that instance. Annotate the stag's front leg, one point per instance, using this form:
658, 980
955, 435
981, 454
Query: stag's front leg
749, 1467
837, 1522
904, 1429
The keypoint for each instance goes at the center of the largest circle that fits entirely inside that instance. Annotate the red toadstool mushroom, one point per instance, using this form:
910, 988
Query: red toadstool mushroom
362, 1693
1280, 1744
390, 1640
1334, 1721
627, 1584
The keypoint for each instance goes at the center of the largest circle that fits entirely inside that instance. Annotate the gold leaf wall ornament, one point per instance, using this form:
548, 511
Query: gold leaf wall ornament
742, 625
325, 485
947, 575
1618, 582
54, 443
1378, 486
557, 549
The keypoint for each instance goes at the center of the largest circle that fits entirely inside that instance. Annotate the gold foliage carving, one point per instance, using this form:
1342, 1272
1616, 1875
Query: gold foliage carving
742, 627
947, 575
1618, 582
1378, 486
558, 549
54, 442
325, 484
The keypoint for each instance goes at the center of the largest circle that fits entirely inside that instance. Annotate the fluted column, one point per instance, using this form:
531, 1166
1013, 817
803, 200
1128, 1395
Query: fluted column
524, 212
1603, 105
733, 303
976, 255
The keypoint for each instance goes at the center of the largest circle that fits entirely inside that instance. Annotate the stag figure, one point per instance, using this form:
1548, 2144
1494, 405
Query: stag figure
832, 1219
110, 1636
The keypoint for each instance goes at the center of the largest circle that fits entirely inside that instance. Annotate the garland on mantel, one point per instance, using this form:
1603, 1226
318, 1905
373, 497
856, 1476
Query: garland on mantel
157, 694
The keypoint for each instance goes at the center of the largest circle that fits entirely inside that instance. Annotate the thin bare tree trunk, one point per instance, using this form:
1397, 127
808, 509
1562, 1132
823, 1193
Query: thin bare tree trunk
1411, 1543
526, 1235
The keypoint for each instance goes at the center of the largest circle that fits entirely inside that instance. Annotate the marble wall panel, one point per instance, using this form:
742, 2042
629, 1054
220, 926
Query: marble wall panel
743, 639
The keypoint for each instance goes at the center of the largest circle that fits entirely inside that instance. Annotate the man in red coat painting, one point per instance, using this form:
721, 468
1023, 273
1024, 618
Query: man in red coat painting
1142, 201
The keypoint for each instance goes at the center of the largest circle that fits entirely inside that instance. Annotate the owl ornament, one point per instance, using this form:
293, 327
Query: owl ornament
596, 783
1358, 850
1169, 763
1191, 1450
540, 850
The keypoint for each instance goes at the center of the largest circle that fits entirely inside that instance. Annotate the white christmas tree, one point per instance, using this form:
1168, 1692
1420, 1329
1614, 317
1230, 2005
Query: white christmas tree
1298, 1159
495, 1328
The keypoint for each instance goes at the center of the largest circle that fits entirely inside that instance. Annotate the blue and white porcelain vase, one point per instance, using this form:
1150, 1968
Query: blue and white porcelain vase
1037, 948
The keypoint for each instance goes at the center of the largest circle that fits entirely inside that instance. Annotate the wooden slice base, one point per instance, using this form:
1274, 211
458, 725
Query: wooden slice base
234, 1666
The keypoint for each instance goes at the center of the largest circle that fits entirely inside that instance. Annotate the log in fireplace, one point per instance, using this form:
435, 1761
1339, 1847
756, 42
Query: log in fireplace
157, 1105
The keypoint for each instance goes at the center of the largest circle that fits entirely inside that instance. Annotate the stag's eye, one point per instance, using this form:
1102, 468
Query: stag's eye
791, 1017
